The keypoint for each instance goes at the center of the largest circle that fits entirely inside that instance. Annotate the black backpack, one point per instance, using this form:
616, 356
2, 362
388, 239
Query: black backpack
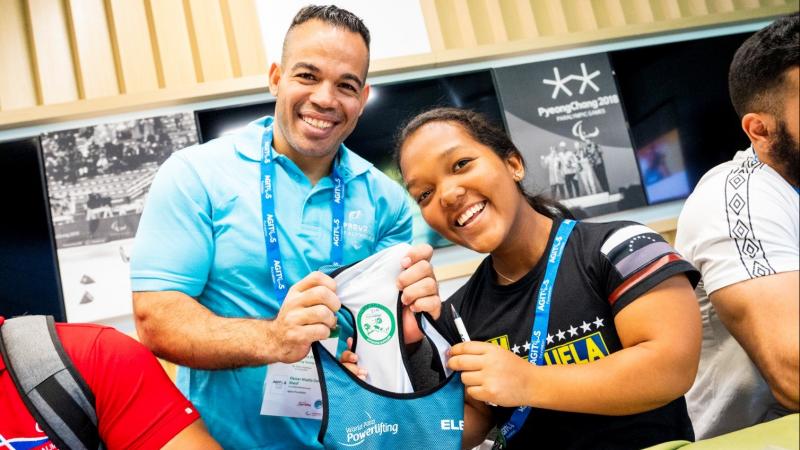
49, 384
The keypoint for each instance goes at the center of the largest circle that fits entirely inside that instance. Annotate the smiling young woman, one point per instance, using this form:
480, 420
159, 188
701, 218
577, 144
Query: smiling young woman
602, 335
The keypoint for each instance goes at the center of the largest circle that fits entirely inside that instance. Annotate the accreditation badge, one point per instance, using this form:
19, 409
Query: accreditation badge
293, 390
499, 443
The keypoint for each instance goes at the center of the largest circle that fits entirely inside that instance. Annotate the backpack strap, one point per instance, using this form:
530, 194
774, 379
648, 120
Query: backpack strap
48, 383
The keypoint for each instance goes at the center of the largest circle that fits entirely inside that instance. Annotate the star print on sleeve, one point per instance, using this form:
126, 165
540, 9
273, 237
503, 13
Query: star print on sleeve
586, 326
635, 252
631, 248
572, 331
515, 348
598, 323
550, 339
561, 335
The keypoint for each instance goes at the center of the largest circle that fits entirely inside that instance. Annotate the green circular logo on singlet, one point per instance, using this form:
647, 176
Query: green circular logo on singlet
376, 323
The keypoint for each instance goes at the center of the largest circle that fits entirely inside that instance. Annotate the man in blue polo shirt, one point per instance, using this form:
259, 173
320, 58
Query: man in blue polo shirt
222, 269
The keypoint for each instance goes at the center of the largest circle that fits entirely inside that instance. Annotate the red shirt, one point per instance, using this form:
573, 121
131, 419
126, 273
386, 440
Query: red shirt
138, 406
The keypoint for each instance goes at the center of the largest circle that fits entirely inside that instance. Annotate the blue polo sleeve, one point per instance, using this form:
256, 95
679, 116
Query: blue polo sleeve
395, 225
174, 242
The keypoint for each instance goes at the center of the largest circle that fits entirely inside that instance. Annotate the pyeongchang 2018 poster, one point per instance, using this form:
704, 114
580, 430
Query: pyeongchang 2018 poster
565, 117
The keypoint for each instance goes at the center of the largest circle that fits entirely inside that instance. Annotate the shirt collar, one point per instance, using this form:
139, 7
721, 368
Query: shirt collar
751, 153
247, 143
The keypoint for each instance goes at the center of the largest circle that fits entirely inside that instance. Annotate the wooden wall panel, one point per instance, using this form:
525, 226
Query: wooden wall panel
665, 9
170, 26
95, 67
460, 10
690, 8
487, 21
580, 15
17, 78
53, 60
746, 4
158, 52
433, 23
609, 13
518, 18
245, 41
456, 23
721, 6
549, 17
133, 46
637, 12
209, 39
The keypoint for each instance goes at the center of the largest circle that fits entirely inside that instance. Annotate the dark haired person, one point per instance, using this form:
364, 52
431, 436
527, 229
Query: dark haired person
606, 311
222, 268
137, 404
740, 229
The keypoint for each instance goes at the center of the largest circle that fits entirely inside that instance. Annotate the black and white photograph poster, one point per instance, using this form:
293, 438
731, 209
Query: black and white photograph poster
97, 180
565, 117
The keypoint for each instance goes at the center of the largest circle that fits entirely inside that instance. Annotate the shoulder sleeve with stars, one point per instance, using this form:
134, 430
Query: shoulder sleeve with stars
636, 259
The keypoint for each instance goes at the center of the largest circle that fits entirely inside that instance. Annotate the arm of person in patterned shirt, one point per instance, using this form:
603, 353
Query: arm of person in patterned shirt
763, 314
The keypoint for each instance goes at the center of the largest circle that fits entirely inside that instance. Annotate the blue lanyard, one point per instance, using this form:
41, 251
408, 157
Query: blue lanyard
796, 188
540, 320
270, 220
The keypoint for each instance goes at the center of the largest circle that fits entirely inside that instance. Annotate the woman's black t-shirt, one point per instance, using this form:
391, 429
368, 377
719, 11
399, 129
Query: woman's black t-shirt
604, 267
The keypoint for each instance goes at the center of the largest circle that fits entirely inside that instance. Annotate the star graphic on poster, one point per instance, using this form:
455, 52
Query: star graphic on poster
598, 323
586, 79
550, 339
559, 83
527, 346
560, 335
572, 331
586, 326
515, 348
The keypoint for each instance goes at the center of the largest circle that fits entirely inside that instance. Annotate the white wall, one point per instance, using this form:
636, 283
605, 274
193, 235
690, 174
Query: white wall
397, 28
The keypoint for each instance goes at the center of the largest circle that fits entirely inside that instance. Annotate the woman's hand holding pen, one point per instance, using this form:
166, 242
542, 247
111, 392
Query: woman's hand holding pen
420, 290
493, 374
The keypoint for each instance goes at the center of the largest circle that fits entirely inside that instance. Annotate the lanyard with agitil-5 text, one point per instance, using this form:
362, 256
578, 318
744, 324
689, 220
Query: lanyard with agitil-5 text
540, 321
270, 220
